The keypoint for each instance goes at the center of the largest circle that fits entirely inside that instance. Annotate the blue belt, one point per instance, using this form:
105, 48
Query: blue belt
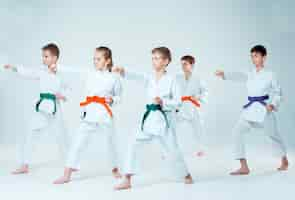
259, 99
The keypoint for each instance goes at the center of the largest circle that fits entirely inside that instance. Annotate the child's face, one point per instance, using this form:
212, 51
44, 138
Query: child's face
100, 62
187, 67
257, 59
159, 62
47, 58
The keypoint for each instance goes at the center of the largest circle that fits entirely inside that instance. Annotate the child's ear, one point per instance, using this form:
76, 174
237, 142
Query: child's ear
55, 58
166, 63
109, 61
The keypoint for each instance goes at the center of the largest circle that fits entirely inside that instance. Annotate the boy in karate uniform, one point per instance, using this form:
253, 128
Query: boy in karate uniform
47, 116
159, 119
194, 94
264, 97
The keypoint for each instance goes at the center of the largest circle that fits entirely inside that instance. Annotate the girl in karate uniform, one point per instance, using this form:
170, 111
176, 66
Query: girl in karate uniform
264, 97
159, 118
102, 91
47, 117
193, 95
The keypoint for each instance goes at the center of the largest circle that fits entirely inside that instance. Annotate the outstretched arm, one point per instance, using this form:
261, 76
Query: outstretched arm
25, 72
233, 76
131, 75
73, 69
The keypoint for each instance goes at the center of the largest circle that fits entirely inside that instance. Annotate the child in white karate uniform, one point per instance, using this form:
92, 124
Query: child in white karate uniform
159, 119
102, 91
194, 94
264, 97
48, 116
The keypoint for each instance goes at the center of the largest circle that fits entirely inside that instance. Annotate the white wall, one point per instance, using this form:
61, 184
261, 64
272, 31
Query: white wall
218, 33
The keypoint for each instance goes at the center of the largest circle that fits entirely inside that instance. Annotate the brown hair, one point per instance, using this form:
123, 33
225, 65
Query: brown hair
52, 48
164, 51
189, 59
107, 54
259, 49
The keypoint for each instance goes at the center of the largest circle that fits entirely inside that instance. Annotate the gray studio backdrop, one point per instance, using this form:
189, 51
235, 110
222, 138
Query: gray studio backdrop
218, 33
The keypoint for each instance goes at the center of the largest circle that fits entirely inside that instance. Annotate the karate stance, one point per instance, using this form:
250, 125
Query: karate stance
102, 91
194, 94
47, 117
158, 122
264, 97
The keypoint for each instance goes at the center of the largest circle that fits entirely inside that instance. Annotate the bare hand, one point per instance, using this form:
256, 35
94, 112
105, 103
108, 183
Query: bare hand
52, 67
60, 97
219, 73
109, 100
119, 70
196, 99
270, 108
8, 66
158, 101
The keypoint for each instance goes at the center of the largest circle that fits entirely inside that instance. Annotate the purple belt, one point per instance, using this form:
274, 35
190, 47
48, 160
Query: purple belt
259, 99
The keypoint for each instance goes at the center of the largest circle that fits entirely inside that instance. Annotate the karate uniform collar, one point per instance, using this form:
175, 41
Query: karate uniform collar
189, 78
162, 77
260, 71
52, 72
102, 71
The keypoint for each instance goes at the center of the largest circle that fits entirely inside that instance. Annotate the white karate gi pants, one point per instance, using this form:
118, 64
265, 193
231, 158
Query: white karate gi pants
82, 138
170, 148
40, 125
270, 129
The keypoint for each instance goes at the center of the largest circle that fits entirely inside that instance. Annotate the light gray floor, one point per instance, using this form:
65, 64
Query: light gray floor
94, 181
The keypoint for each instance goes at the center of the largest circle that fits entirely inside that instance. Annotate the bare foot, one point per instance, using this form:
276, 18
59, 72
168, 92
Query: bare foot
188, 179
66, 177
62, 180
241, 171
199, 153
22, 170
116, 173
124, 185
284, 164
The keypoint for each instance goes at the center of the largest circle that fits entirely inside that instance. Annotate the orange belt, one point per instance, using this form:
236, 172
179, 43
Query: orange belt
190, 98
100, 100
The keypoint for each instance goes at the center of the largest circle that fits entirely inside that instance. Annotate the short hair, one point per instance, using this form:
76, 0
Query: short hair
164, 51
259, 49
52, 48
189, 59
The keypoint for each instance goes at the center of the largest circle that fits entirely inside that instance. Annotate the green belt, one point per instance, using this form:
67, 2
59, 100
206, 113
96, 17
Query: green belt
47, 96
153, 107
